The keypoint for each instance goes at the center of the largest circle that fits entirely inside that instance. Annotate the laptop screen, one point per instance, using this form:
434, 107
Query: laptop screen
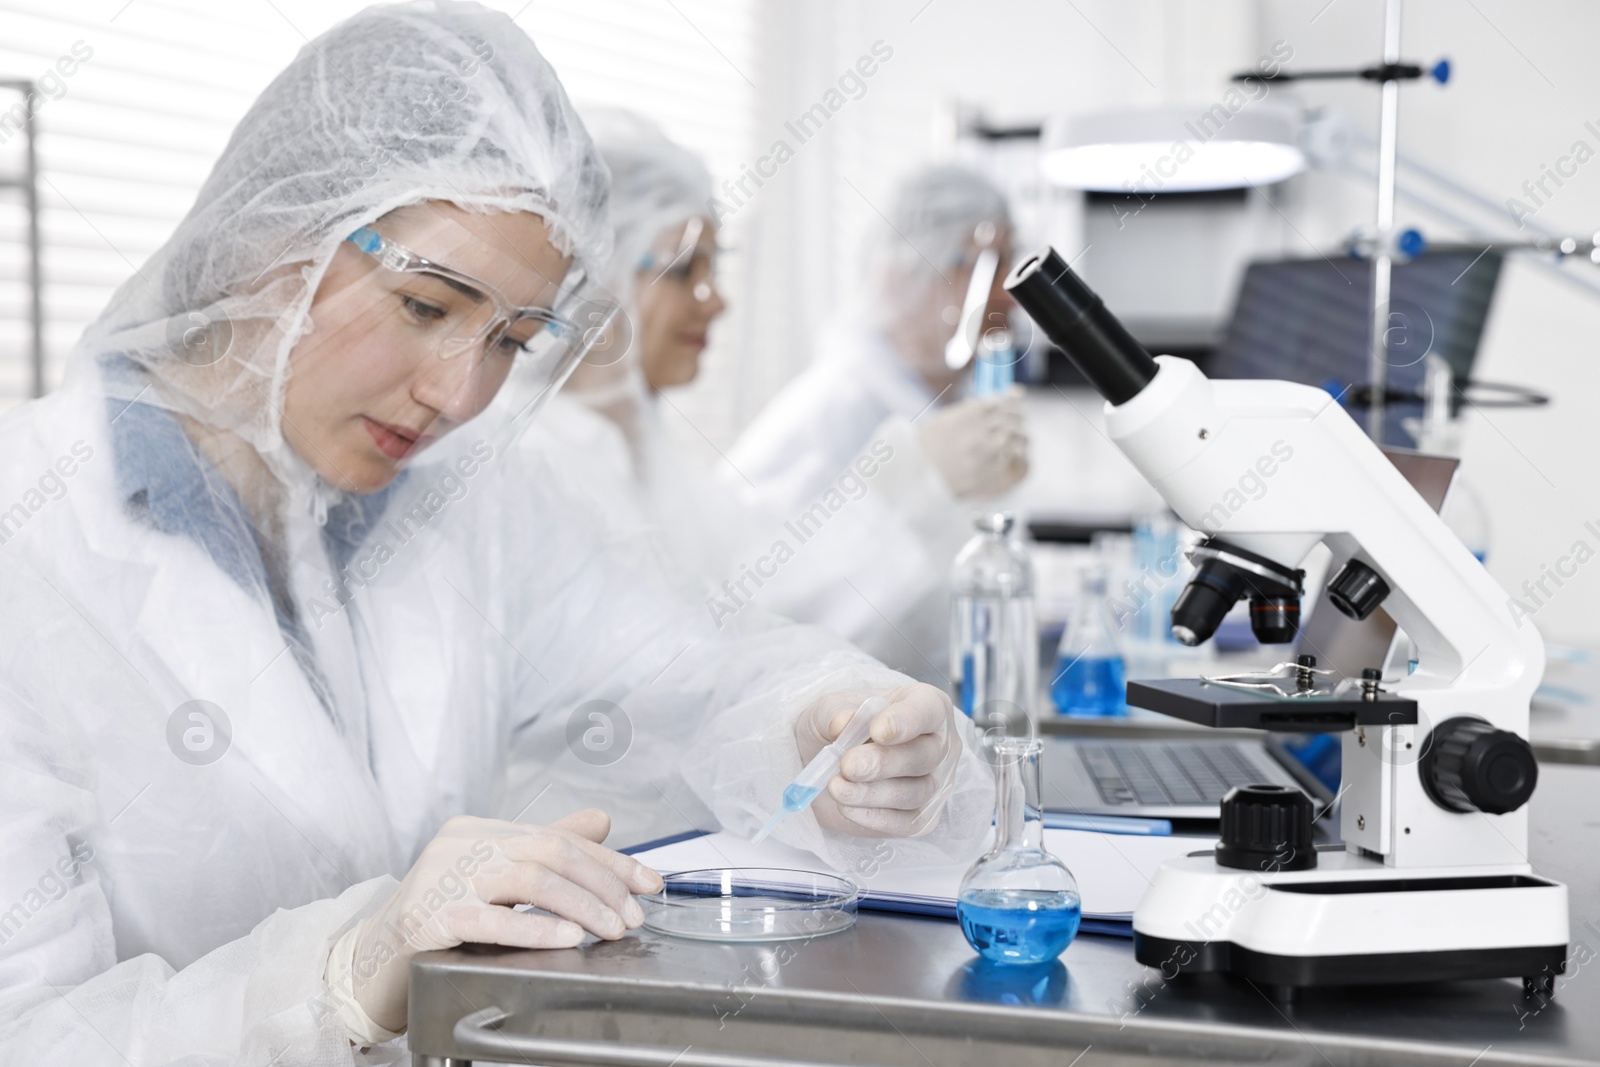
1307, 321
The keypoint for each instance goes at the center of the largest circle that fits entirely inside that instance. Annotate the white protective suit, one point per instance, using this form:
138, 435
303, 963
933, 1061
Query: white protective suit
865, 542
227, 731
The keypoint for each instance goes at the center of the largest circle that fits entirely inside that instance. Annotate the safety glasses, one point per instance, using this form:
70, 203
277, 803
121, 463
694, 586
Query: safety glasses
690, 263
545, 342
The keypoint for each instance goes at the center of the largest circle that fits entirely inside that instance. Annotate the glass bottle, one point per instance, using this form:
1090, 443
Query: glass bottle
1089, 680
1018, 903
994, 642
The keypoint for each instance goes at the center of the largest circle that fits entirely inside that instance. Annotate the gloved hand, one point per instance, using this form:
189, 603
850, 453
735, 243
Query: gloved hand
895, 785
463, 887
979, 446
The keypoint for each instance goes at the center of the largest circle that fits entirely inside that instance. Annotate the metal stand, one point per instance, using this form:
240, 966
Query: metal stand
1390, 73
1382, 262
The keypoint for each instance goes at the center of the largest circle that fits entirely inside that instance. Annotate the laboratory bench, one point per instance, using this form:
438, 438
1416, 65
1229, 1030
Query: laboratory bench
901, 990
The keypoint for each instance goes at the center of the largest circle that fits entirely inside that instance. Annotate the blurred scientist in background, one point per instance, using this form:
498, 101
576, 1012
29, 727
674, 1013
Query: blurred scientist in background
856, 551
886, 366
881, 384
608, 422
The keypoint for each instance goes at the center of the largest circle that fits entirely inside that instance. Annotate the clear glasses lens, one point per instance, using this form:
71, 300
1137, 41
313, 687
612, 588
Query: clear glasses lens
399, 259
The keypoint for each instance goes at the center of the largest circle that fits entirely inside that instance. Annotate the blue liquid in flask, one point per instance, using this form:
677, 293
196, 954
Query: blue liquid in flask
1091, 686
797, 796
1019, 925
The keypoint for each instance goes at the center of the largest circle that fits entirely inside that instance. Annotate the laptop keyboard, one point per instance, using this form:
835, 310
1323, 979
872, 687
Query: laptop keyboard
1176, 773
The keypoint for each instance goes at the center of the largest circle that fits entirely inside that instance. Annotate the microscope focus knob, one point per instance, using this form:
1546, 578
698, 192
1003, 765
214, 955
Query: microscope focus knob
1266, 828
1469, 765
1357, 590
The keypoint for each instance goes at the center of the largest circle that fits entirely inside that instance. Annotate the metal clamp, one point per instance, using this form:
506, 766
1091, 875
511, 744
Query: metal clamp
1258, 681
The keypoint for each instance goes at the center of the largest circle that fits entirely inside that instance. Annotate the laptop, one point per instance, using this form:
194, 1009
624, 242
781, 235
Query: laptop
1165, 778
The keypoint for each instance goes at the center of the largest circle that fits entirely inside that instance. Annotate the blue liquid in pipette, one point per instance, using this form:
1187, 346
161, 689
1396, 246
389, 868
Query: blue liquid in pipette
1019, 925
797, 796
1092, 686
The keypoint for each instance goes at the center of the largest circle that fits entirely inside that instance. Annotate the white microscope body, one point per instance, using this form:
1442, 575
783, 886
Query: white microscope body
1194, 439
1421, 890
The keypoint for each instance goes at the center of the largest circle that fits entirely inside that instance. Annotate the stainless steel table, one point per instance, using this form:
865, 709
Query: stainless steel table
904, 991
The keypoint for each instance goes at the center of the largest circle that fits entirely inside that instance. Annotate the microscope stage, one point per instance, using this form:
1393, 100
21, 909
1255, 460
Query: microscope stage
1194, 700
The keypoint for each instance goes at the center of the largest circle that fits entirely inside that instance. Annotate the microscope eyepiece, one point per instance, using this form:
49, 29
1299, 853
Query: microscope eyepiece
1076, 320
1223, 574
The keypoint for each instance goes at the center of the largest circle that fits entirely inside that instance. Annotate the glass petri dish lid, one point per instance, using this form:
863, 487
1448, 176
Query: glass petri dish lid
751, 904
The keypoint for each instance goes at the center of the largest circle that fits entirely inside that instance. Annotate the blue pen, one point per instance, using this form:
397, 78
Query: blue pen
1107, 824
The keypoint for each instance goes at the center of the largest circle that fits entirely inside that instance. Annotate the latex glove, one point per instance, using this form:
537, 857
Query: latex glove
894, 785
979, 446
463, 887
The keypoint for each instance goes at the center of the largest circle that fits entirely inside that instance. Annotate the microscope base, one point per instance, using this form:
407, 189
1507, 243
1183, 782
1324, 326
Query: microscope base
1380, 968
1352, 921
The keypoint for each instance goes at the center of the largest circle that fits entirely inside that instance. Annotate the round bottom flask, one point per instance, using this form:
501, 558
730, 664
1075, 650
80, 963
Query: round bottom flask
1019, 904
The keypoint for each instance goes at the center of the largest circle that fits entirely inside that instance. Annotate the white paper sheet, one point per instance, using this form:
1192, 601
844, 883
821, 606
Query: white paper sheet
1112, 869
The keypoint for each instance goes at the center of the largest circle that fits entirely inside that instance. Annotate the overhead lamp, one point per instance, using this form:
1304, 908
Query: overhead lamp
1173, 149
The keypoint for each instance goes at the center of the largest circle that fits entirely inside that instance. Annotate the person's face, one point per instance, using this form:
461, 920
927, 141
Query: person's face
677, 302
378, 377
922, 342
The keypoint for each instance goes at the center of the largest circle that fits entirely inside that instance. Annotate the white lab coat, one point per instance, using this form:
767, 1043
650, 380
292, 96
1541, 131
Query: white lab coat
856, 396
154, 910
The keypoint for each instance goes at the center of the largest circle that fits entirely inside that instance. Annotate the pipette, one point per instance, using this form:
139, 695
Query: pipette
824, 765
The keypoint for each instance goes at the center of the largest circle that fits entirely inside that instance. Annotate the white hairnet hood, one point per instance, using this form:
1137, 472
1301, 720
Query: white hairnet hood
927, 238
452, 103
656, 185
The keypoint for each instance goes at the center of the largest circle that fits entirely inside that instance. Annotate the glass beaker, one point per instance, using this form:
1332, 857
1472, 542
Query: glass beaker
1089, 680
1018, 903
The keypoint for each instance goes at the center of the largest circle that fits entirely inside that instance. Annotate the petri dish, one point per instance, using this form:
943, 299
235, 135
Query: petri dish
751, 904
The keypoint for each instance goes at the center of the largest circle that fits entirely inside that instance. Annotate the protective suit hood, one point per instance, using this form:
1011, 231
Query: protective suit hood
656, 184
452, 103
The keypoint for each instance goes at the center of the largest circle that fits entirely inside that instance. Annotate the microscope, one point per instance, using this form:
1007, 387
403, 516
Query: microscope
1432, 881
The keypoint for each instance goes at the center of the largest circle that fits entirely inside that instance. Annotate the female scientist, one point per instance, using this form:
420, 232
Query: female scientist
881, 383
874, 570
887, 365
275, 593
